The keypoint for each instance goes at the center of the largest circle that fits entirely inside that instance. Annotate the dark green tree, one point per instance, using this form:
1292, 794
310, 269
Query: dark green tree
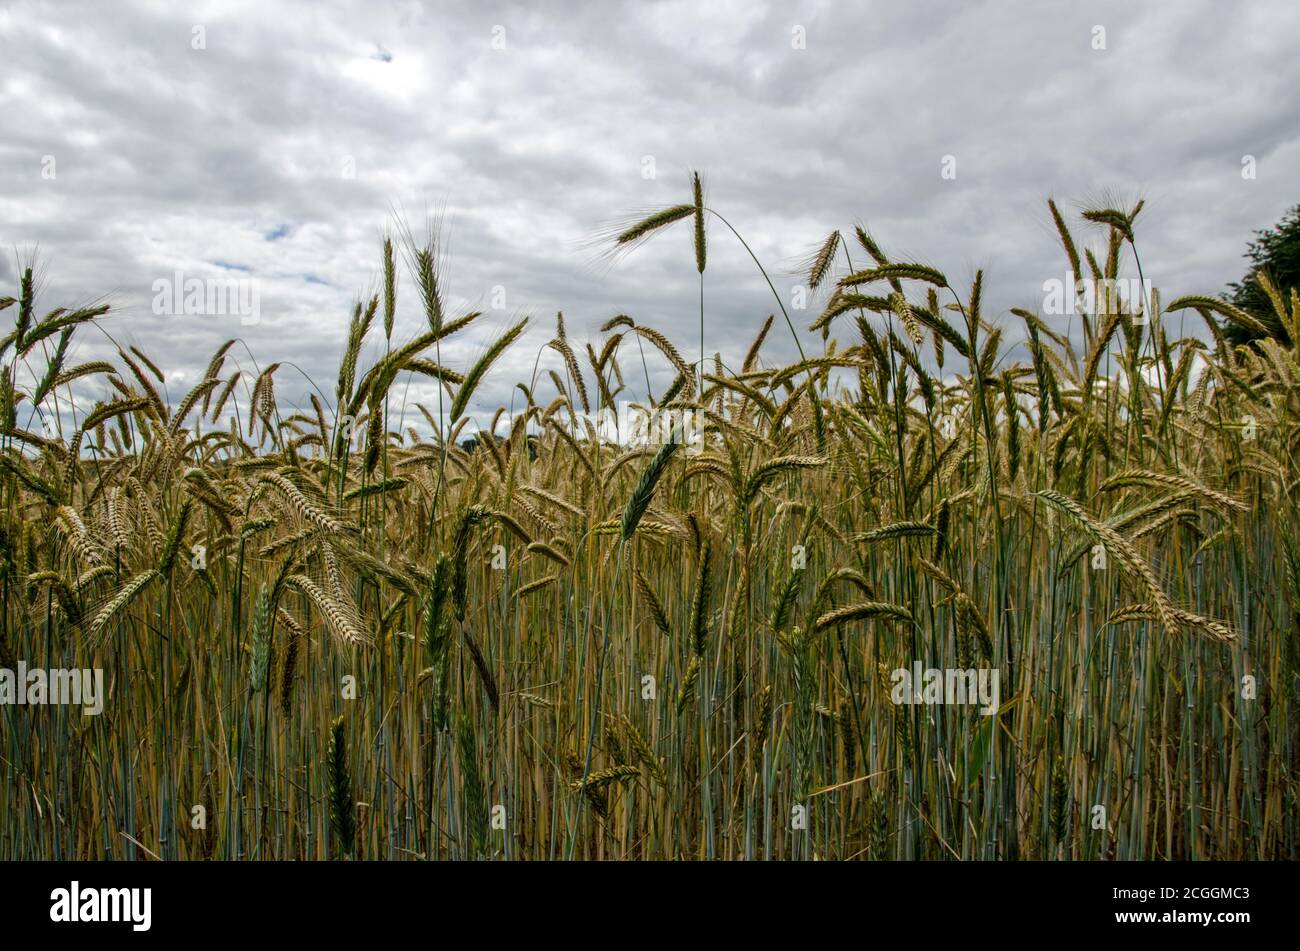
1276, 251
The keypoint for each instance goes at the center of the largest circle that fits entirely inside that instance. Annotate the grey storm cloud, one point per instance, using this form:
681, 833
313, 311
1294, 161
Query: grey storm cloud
282, 147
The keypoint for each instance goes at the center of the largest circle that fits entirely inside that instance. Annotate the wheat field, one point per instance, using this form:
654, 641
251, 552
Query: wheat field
375, 631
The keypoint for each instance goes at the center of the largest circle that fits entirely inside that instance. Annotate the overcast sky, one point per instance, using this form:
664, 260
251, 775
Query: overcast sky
276, 141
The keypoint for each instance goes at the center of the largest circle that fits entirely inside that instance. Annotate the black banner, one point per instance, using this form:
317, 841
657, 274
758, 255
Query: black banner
134, 901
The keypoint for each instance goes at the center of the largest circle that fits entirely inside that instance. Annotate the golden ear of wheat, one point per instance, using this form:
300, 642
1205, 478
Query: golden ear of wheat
120, 601
300, 504
896, 530
862, 611
1144, 478
339, 617
534, 586
1123, 551
601, 778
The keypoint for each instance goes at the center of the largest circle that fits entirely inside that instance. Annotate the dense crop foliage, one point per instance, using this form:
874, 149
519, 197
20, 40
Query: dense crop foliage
679, 651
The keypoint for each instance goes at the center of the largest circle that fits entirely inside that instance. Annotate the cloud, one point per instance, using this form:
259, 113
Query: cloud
277, 142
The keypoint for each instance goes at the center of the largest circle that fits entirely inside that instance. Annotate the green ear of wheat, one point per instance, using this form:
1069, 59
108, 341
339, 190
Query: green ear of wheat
639, 501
